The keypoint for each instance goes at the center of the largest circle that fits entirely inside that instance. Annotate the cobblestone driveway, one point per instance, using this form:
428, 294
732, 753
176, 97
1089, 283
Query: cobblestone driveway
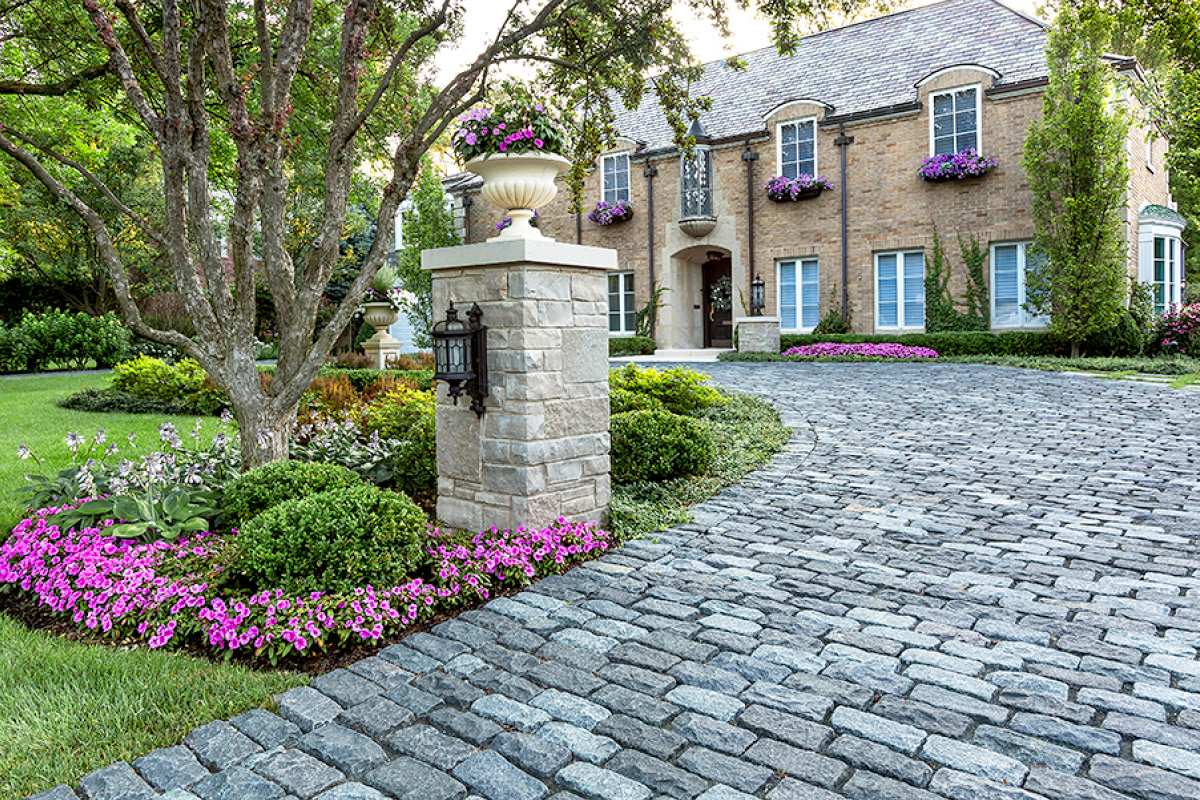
958, 582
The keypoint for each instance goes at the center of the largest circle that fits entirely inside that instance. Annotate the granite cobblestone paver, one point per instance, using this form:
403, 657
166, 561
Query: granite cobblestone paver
956, 583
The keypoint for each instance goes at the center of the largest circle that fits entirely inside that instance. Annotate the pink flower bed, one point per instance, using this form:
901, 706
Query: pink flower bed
170, 593
865, 350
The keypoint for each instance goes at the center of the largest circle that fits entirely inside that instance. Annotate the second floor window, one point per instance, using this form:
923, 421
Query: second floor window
798, 148
956, 121
696, 183
615, 178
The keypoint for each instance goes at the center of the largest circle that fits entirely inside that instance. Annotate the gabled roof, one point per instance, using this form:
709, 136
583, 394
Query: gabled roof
860, 68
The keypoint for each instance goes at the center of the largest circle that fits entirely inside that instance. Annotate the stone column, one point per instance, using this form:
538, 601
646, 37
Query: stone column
541, 449
757, 334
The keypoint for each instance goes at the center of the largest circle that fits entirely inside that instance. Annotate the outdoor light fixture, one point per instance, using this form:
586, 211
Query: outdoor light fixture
460, 356
758, 296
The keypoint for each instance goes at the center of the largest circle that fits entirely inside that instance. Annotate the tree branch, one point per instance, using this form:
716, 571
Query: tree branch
124, 69
56, 88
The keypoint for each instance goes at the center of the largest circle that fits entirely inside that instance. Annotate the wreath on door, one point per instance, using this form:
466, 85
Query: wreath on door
720, 294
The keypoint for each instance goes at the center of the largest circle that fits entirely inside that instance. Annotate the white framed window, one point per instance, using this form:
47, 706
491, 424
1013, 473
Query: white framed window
621, 312
900, 290
796, 147
1167, 281
954, 120
798, 299
614, 171
1011, 264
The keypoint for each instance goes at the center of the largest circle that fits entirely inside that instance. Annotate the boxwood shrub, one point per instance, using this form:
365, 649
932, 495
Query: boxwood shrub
261, 488
630, 346
184, 383
658, 445
331, 542
950, 343
678, 390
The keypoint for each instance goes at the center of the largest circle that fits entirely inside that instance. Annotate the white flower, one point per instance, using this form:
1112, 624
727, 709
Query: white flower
23, 452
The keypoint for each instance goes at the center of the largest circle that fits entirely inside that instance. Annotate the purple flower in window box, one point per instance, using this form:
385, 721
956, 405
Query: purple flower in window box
606, 213
956, 166
504, 223
783, 189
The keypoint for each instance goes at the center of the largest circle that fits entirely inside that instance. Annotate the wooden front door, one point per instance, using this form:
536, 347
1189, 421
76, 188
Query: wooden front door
717, 304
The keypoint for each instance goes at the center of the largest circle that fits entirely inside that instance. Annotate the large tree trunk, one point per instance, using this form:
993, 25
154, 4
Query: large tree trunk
264, 435
1076, 350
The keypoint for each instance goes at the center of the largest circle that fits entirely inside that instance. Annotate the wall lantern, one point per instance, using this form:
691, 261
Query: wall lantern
460, 356
758, 296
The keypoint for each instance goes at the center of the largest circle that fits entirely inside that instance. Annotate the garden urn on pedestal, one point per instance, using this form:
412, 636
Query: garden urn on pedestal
519, 183
382, 345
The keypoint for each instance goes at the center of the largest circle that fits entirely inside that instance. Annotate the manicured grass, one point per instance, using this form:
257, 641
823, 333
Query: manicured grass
29, 415
68, 708
747, 431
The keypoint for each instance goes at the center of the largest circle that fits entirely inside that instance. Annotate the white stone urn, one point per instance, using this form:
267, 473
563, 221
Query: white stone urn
518, 183
380, 316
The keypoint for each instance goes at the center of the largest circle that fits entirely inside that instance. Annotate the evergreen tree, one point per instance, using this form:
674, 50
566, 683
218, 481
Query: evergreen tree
428, 223
1076, 162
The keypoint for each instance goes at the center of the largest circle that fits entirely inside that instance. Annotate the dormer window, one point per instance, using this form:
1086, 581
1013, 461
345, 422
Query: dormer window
954, 122
614, 171
797, 143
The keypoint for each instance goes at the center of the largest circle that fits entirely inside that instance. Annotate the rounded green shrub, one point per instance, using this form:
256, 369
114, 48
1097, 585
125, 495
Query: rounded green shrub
414, 461
622, 400
657, 445
679, 390
331, 541
253, 492
630, 346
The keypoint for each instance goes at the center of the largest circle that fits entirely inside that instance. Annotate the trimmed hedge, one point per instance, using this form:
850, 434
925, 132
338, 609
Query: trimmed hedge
630, 346
950, 343
62, 339
117, 401
659, 445
362, 378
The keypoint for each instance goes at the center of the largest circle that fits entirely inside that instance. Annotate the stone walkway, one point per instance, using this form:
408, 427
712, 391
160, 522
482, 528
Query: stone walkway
958, 582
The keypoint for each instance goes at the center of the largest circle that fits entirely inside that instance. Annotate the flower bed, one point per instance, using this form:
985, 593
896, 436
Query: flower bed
782, 189
606, 213
956, 166
866, 350
162, 593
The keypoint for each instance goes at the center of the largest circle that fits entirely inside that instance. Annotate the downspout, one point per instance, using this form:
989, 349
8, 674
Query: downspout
578, 227
843, 142
650, 171
467, 202
749, 155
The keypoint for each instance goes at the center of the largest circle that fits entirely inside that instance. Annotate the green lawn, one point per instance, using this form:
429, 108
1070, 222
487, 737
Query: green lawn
28, 415
67, 708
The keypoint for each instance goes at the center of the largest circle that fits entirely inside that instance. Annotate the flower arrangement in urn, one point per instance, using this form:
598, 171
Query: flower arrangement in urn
956, 166
783, 189
383, 287
606, 213
515, 145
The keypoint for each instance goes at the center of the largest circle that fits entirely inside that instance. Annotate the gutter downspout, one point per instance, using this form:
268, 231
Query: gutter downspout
578, 227
749, 155
843, 142
651, 172
467, 202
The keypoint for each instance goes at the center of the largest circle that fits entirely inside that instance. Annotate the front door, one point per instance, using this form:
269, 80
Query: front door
717, 304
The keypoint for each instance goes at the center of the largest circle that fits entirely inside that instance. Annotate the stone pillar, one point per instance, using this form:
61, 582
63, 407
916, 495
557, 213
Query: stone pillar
541, 449
757, 334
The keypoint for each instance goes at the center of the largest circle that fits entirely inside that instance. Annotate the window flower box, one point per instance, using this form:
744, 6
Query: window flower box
606, 213
956, 166
783, 189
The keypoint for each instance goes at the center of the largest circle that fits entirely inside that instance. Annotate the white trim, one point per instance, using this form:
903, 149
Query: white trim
622, 310
1150, 154
798, 101
900, 320
779, 142
966, 65
978, 87
628, 172
1023, 316
798, 263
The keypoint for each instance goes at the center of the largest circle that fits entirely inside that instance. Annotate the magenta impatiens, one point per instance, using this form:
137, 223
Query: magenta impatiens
863, 350
172, 593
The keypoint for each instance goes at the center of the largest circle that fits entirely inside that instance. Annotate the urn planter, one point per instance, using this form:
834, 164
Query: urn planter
518, 183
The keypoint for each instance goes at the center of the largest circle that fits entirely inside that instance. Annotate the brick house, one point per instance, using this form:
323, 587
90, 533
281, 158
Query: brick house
861, 105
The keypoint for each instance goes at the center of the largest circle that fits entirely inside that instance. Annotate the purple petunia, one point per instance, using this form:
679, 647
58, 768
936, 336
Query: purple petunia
606, 213
867, 350
956, 166
782, 188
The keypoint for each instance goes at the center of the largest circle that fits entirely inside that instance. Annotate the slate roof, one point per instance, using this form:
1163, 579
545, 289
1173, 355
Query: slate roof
858, 68
1155, 211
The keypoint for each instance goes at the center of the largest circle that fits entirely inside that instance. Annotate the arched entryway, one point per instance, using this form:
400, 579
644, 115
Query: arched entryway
702, 299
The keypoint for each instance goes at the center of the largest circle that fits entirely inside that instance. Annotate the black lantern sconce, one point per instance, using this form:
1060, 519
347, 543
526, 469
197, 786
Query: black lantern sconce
758, 296
460, 356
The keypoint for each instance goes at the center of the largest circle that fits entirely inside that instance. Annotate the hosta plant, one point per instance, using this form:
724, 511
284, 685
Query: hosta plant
167, 515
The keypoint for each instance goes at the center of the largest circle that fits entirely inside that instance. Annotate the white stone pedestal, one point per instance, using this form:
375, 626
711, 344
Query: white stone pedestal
380, 347
758, 334
541, 449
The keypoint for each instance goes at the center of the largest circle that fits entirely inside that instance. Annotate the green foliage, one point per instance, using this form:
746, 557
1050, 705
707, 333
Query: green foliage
630, 346
393, 414
63, 339
410, 417
114, 400
331, 541
941, 313
659, 445
428, 223
261, 488
1141, 305
646, 318
1176, 365
621, 400
1076, 162
1126, 338
680, 390
160, 513
978, 302
184, 382
834, 321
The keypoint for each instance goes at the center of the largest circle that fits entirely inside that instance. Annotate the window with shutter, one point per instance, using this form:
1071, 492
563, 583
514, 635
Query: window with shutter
1012, 263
